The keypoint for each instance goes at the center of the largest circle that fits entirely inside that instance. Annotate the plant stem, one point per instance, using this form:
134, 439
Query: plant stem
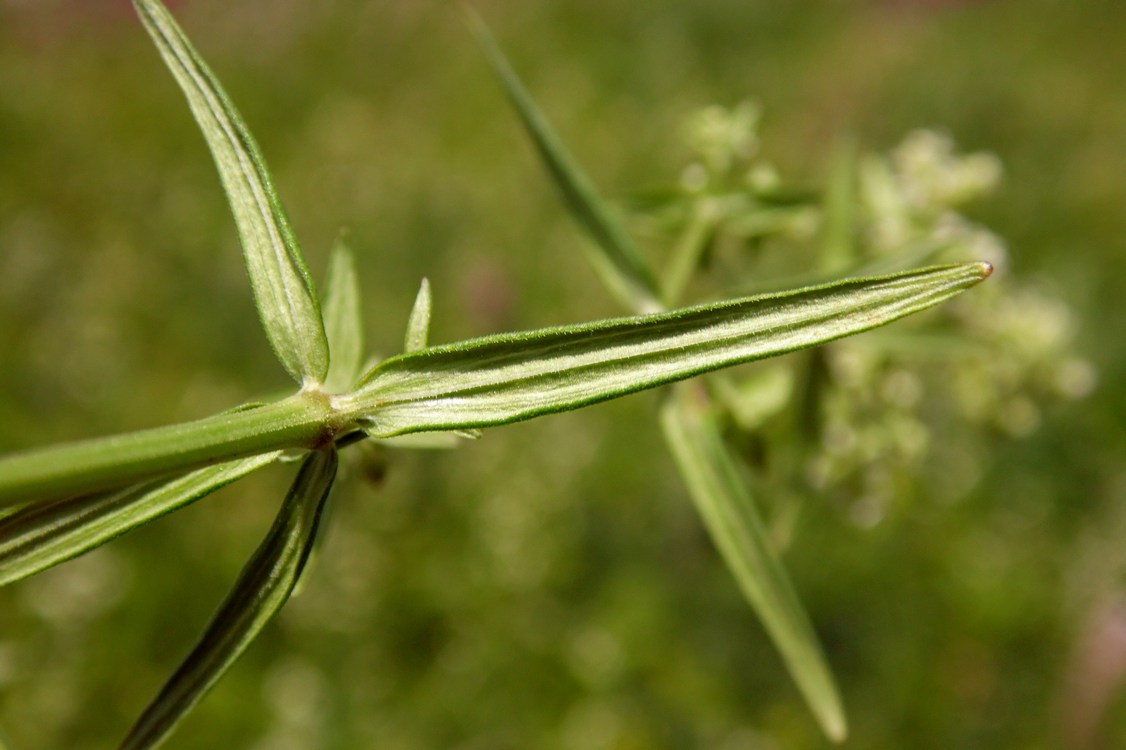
304, 420
686, 255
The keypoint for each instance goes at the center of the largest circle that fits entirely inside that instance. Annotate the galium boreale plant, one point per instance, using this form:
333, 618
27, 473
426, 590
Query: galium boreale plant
60, 501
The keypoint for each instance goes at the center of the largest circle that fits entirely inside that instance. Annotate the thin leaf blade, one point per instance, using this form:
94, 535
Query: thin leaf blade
691, 246
501, 379
417, 336
429, 440
343, 319
729, 514
283, 290
37, 537
838, 249
263, 586
618, 261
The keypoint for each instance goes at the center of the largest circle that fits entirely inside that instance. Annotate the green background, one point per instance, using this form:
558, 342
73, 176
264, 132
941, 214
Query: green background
547, 586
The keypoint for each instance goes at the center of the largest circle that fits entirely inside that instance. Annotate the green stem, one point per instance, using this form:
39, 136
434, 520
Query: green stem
686, 255
304, 420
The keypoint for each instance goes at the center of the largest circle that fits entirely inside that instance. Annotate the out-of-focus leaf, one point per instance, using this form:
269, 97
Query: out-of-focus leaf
694, 240
500, 379
429, 440
283, 290
418, 325
618, 262
262, 588
343, 319
728, 512
838, 250
753, 400
37, 537
765, 221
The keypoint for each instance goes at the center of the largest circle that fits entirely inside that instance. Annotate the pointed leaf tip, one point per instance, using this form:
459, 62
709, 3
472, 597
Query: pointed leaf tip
417, 337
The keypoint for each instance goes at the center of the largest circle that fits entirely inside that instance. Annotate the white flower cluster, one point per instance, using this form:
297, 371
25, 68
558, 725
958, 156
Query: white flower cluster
913, 195
982, 366
987, 362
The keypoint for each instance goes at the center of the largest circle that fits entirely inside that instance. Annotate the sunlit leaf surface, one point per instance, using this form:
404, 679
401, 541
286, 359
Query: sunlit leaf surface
282, 287
506, 378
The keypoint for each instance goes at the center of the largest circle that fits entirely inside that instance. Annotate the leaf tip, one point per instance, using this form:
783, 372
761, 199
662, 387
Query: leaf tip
835, 727
418, 325
985, 268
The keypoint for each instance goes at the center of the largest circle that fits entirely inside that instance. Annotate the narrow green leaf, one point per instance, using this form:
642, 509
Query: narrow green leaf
283, 290
35, 538
500, 379
418, 325
690, 248
724, 503
837, 241
618, 262
262, 588
427, 441
343, 320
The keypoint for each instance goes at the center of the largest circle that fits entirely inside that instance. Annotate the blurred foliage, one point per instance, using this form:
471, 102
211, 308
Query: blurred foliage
549, 585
